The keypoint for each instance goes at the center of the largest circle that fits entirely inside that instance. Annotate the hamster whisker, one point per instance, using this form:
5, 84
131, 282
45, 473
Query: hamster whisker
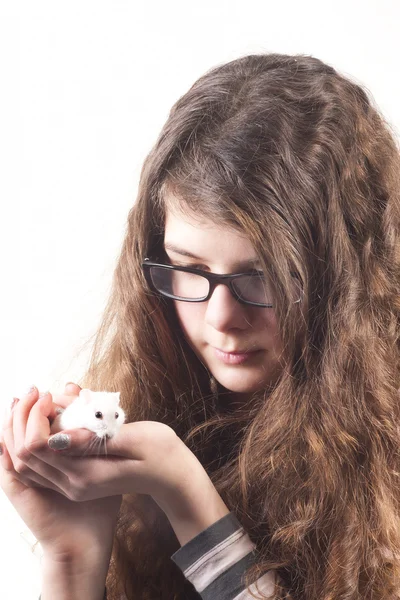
105, 445
96, 445
92, 444
98, 442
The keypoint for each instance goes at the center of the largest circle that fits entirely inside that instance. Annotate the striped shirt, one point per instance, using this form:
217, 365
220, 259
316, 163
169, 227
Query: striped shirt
215, 561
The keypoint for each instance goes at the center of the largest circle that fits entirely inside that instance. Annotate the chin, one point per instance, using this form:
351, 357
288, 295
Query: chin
241, 384
242, 380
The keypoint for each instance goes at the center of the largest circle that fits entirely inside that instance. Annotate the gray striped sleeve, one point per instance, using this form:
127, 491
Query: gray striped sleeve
215, 561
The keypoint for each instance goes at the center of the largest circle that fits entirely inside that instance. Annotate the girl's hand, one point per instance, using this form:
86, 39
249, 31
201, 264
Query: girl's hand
62, 526
145, 457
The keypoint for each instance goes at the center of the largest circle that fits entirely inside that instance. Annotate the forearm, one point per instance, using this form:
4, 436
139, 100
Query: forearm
194, 506
83, 577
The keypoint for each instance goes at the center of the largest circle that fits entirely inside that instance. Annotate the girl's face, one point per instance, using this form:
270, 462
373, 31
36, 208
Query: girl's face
240, 344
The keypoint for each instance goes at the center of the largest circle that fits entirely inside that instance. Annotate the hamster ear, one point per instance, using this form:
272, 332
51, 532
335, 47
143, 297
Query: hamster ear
114, 397
85, 395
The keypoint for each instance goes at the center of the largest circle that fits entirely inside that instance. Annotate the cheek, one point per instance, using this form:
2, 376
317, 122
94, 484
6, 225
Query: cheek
271, 320
265, 318
267, 324
274, 332
191, 318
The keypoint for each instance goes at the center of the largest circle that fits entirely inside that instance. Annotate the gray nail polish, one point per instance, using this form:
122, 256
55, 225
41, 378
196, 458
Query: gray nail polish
59, 441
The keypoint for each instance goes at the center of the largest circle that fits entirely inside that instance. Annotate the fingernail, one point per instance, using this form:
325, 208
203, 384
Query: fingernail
14, 403
31, 389
43, 394
1, 449
59, 441
69, 383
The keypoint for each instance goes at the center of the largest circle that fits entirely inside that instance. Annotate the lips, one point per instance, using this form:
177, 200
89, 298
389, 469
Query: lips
244, 351
234, 358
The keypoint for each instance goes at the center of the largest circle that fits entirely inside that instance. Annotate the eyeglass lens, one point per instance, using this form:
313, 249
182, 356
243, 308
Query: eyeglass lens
190, 286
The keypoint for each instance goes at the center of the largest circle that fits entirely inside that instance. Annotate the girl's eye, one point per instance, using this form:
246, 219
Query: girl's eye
190, 266
178, 263
99, 415
257, 272
198, 267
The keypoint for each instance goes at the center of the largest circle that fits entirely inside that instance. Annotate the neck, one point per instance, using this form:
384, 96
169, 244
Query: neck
231, 401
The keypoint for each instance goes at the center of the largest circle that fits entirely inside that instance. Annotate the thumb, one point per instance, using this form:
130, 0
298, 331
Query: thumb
72, 441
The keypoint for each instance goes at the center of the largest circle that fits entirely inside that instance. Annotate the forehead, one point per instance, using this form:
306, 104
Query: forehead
204, 238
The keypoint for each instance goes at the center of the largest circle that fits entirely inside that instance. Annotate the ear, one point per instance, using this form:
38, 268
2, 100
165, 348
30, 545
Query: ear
115, 397
85, 395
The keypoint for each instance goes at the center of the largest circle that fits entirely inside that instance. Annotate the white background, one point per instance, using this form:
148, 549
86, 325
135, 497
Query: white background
85, 88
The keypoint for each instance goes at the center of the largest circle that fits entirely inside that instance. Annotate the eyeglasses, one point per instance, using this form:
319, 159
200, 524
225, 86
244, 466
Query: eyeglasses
193, 285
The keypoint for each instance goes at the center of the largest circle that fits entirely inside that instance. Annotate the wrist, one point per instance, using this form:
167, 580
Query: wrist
194, 505
68, 577
79, 549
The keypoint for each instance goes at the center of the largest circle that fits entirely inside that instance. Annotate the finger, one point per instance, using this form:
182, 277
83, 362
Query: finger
46, 468
37, 426
83, 442
10, 482
55, 410
8, 414
18, 483
20, 417
36, 447
72, 389
75, 442
5, 458
83, 473
27, 478
62, 403
65, 399
38, 431
26, 404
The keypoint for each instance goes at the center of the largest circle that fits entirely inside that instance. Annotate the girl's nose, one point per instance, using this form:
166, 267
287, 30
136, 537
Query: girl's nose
224, 311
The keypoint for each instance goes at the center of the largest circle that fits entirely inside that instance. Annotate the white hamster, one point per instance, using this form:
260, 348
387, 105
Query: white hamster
97, 411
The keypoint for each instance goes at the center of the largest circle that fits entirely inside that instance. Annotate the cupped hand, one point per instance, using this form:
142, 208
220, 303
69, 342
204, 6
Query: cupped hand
145, 457
58, 522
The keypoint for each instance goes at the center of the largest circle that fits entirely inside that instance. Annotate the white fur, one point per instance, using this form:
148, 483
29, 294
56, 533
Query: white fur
81, 413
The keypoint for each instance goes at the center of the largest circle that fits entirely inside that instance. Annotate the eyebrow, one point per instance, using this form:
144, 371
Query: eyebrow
246, 263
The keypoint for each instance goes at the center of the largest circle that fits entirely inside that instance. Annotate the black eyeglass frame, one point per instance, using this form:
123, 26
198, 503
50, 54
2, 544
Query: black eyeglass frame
213, 280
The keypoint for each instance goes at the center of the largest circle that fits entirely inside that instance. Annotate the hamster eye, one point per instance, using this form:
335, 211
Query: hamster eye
98, 415
116, 415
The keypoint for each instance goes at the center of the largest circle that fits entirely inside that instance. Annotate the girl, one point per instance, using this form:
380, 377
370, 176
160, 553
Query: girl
253, 332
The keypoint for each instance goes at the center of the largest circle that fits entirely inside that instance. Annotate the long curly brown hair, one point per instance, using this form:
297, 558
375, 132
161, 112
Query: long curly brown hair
300, 159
